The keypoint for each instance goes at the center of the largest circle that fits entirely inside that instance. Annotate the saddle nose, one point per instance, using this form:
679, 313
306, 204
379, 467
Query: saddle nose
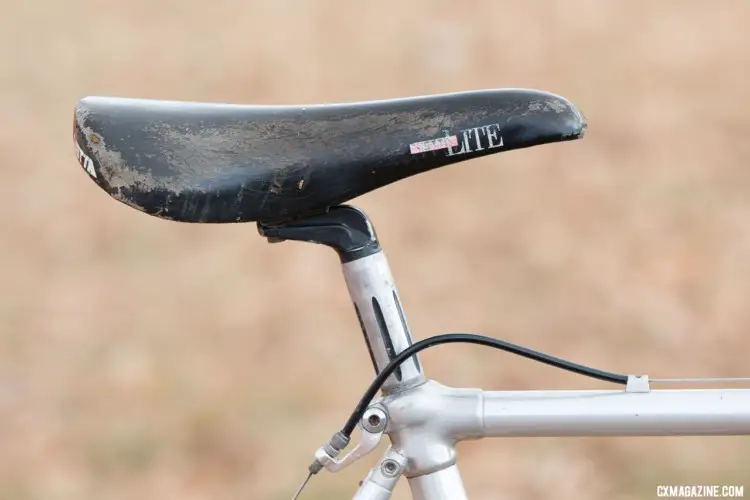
529, 120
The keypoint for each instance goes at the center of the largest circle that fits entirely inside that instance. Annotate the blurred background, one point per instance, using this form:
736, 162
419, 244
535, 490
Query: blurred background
146, 359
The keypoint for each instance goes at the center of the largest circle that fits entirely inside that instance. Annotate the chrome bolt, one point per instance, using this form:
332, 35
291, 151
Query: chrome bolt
390, 468
374, 420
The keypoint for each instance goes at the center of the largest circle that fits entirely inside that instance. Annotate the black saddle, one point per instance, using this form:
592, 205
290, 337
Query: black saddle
200, 162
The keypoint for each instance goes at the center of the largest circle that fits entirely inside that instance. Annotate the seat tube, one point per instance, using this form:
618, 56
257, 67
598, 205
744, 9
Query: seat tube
381, 317
445, 484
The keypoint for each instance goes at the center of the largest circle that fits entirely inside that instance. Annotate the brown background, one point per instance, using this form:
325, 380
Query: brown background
146, 359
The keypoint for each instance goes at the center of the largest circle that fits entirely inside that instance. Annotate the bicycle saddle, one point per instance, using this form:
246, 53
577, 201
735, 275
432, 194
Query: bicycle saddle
202, 162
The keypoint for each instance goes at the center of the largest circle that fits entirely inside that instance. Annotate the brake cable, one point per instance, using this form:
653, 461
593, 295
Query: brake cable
469, 338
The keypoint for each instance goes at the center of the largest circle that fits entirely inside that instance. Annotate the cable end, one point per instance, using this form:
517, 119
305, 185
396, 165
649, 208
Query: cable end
304, 483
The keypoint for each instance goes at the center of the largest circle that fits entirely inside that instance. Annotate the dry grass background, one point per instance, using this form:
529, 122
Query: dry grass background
146, 359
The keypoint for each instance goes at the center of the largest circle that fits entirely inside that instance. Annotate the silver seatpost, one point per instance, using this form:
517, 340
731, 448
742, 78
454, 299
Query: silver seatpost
376, 302
381, 317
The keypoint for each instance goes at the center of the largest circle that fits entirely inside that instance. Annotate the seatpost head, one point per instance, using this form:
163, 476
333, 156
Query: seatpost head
344, 228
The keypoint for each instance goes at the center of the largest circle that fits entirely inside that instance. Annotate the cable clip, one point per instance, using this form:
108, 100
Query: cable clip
638, 383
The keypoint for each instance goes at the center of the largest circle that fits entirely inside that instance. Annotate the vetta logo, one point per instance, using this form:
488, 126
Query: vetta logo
85, 161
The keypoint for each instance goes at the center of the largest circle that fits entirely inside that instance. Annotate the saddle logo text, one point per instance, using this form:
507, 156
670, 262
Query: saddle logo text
85, 161
477, 139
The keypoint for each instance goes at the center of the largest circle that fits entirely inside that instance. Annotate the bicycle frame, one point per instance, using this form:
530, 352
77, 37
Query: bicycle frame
424, 419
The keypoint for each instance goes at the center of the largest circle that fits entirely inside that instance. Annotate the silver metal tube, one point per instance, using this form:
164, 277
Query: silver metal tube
708, 412
371, 490
445, 484
381, 316
382, 479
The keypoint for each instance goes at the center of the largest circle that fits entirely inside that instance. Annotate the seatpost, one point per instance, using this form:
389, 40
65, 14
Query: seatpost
368, 277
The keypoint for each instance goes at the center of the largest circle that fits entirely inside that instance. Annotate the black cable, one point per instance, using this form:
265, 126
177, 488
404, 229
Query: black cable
470, 338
